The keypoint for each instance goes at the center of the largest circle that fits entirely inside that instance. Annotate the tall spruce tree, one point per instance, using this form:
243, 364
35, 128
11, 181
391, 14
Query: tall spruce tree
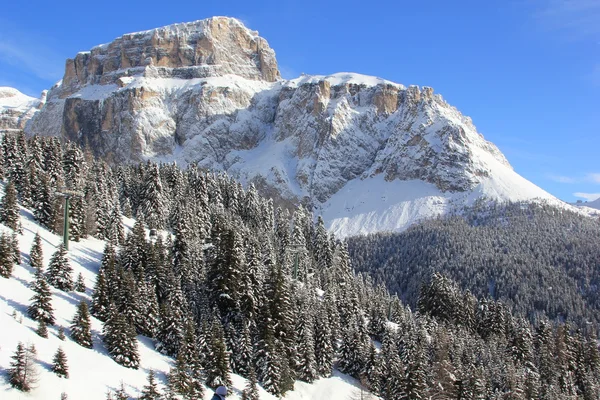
150, 390
120, 340
81, 326
40, 308
217, 369
59, 364
9, 209
36, 257
59, 272
7, 259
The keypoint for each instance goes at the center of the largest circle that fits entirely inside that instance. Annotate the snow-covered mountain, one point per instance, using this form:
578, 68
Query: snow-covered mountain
92, 372
17, 108
367, 153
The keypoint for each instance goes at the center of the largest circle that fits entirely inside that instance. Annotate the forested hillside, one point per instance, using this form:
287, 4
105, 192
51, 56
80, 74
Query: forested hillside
534, 258
226, 284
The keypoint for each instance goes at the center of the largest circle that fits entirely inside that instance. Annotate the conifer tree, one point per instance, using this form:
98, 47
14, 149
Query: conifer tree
59, 364
61, 333
251, 390
324, 351
42, 329
22, 374
120, 340
101, 297
7, 258
150, 390
80, 284
43, 208
9, 209
217, 369
81, 327
40, 308
59, 271
15, 247
305, 345
36, 258
184, 378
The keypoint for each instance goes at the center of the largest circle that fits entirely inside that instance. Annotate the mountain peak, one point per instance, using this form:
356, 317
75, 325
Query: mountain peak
211, 47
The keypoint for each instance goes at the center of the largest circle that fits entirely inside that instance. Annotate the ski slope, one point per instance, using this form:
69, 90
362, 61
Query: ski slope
92, 372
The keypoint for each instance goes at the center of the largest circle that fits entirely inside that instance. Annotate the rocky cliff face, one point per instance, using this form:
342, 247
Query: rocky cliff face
209, 92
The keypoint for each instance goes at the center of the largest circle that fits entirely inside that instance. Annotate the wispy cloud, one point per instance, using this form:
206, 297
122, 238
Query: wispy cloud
562, 179
29, 51
575, 19
587, 196
588, 178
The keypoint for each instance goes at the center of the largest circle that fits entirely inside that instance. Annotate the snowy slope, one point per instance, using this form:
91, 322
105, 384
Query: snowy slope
92, 371
373, 204
17, 108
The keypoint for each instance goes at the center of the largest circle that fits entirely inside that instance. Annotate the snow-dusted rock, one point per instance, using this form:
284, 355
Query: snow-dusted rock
17, 108
209, 92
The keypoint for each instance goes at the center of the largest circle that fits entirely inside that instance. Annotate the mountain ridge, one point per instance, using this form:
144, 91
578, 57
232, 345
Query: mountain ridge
210, 93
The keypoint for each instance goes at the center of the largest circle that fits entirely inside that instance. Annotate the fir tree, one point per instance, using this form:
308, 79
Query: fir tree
306, 367
36, 258
120, 340
150, 390
59, 364
61, 333
184, 378
81, 327
40, 308
251, 390
22, 373
16, 253
217, 370
42, 329
7, 259
44, 205
80, 284
9, 209
59, 271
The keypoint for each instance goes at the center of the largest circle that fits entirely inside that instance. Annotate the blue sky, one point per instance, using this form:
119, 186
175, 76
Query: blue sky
526, 71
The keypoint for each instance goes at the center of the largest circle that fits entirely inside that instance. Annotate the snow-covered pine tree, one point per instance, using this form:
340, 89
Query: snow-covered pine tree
217, 361
61, 333
153, 199
150, 390
80, 284
9, 209
42, 329
43, 208
101, 297
251, 390
40, 308
268, 361
81, 326
7, 260
305, 345
184, 378
173, 314
59, 271
22, 373
59, 364
36, 258
120, 340
324, 351
16, 252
